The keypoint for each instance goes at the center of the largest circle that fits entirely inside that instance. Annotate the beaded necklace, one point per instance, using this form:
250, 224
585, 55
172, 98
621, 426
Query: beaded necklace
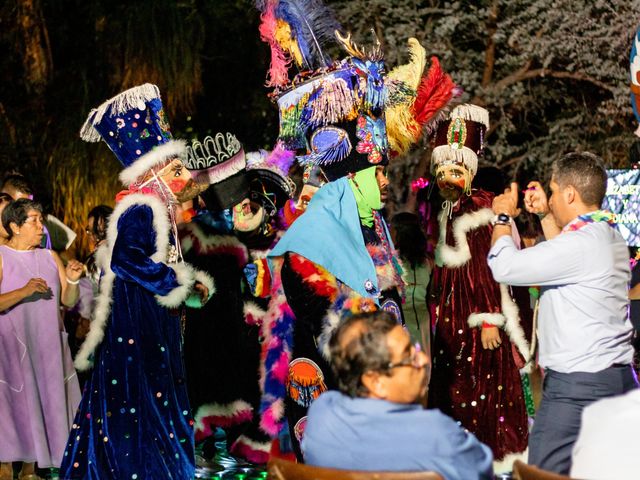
588, 218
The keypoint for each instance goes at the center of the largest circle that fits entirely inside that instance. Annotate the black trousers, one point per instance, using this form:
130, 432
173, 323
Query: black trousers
558, 419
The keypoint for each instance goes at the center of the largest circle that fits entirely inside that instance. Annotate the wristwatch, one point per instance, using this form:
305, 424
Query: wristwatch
501, 219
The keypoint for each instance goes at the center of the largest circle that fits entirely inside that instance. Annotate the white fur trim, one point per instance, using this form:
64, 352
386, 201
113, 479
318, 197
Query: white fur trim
135, 97
173, 148
471, 112
103, 259
513, 328
460, 254
444, 154
256, 446
477, 319
194, 300
329, 325
505, 464
192, 230
186, 277
252, 309
226, 410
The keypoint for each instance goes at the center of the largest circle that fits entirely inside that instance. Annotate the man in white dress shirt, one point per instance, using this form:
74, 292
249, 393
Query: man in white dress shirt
583, 271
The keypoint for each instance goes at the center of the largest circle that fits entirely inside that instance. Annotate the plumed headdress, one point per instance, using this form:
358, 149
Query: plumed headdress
297, 32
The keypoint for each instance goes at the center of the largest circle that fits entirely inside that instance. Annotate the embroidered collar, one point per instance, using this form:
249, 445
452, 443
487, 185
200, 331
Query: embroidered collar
587, 218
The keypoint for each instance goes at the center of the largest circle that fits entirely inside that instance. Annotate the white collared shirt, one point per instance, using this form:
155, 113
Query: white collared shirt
583, 324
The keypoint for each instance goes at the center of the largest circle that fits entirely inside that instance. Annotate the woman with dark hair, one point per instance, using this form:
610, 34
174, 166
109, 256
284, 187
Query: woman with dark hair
38, 386
5, 199
78, 319
97, 232
411, 244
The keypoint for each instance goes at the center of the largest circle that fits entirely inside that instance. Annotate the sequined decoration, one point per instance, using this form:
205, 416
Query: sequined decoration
457, 133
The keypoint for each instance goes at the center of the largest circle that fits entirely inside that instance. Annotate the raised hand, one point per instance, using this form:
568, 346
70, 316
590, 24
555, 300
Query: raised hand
74, 270
507, 202
535, 199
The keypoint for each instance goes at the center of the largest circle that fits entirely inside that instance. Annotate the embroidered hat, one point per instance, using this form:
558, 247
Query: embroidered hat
220, 162
135, 127
460, 140
267, 173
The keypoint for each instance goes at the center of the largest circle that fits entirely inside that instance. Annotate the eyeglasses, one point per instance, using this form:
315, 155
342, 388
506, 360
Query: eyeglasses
413, 360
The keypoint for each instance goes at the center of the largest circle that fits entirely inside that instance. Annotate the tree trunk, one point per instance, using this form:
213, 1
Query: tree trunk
36, 58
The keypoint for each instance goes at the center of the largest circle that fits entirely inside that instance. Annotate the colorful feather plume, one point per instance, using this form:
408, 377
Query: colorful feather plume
402, 84
435, 92
295, 30
277, 75
281, 158
415, 100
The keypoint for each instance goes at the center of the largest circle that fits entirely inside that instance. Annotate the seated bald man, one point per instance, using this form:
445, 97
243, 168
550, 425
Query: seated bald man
375, 421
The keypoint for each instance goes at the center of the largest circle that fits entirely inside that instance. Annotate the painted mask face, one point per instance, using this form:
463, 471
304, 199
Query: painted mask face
179, 181
307, 193
452, 180
247, 216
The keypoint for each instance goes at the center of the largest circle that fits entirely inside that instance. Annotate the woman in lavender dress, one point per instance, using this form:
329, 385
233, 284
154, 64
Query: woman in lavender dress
38, 386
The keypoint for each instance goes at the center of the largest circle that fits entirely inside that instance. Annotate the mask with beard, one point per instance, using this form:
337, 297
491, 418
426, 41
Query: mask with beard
247, 216
453, 181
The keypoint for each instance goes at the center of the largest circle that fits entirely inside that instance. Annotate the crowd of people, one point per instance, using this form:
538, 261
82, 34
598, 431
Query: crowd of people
263, 296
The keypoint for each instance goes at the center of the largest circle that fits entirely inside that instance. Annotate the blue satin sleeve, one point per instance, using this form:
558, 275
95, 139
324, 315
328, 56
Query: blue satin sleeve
131, 257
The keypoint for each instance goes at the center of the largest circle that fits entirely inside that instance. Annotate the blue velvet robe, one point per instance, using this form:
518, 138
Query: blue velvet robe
134, 421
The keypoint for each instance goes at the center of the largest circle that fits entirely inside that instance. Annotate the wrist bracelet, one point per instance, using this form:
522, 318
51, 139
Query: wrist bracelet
541, 215
73, 282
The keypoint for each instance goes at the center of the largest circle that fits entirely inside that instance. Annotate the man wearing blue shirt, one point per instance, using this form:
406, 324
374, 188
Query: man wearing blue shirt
583, 271
375, 421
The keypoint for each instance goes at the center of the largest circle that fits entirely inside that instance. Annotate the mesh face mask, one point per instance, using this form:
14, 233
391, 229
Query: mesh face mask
367, 193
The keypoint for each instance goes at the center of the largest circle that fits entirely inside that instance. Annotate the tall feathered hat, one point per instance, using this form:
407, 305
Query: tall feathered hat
460, 139
333, 117
135, 127
219, 161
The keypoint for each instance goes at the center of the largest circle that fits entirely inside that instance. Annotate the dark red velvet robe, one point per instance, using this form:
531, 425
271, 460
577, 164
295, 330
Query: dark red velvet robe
479, 388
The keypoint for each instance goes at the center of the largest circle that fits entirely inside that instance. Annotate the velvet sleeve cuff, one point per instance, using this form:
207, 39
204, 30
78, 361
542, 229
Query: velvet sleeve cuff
477, 319
185, 276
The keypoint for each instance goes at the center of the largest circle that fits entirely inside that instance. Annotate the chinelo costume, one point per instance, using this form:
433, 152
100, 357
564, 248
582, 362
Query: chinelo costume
134, 420
221, 339
480, 388
345, 117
